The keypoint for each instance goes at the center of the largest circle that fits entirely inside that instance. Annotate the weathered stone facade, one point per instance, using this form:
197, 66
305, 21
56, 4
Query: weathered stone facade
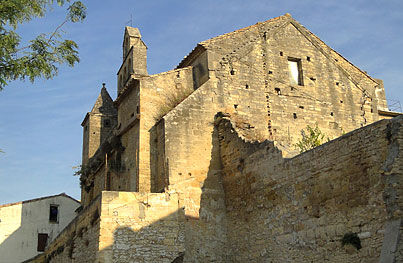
206, 156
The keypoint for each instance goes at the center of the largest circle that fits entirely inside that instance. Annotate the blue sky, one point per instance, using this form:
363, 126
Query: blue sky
40, 128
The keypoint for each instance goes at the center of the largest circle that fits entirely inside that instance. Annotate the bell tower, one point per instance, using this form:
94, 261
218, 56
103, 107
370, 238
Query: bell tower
134, 64
97, 124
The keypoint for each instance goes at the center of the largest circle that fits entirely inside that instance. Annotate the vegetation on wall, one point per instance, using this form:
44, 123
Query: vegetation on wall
311, 138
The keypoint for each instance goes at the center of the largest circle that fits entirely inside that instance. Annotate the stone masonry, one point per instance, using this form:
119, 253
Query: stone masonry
199, 164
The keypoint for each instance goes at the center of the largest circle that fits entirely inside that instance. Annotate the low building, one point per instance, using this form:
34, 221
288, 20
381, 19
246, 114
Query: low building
27, 227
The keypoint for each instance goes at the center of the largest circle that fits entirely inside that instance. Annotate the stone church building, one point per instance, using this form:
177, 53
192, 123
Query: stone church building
199, 164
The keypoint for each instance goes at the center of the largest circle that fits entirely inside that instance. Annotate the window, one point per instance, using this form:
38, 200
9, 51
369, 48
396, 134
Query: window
107, 123
295, 69
42, 240
54, 214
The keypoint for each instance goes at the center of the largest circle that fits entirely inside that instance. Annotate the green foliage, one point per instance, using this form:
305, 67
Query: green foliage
352, 239
43, 53
311, 138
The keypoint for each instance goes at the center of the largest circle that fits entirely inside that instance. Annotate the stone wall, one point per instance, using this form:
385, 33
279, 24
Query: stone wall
78, 242
139, 227
299, 209
122, 227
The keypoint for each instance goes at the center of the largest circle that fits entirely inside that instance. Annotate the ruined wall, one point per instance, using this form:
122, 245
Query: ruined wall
299, 209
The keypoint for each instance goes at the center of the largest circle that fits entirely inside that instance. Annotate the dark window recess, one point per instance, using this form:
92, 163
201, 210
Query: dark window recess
54, 214
107, 123
42, 240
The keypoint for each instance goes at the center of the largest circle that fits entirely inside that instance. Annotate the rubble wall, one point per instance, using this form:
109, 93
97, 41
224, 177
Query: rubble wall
299, 209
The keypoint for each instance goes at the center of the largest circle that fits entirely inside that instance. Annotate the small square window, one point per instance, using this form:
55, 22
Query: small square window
295, 69
42, 241
54, 214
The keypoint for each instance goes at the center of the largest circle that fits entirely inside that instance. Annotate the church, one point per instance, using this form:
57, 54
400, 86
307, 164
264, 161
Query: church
201, 164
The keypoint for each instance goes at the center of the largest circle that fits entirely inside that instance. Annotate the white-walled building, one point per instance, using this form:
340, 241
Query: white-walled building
27, 227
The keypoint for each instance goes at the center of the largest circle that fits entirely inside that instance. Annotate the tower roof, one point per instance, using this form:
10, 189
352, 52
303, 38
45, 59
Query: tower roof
103, 105
132, 31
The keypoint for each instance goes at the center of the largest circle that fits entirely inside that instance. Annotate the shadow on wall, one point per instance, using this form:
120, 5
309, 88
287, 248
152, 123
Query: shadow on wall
28, 232
160, 241
166, 239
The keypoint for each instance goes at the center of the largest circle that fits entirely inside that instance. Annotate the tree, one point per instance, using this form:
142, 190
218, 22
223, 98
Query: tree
42, 56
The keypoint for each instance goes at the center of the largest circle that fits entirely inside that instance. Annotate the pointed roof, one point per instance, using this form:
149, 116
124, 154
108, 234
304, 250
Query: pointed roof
268, 28
104, 102
103, 105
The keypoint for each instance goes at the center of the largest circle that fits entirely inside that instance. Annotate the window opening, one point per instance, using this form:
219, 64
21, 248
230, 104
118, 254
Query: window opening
295, 69
107, 123
54, 214
42, 240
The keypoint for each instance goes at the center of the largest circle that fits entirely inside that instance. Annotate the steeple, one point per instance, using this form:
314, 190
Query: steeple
98, 124
134, 62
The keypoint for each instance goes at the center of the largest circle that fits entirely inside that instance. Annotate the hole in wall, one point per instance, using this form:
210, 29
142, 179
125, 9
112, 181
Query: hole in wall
337, 83
341, 101
281, 53
301, 107
270, 72
246, 86
232, 72
278, 91
308, 58
331, 114
235, 106
312, 78
292, 88
294, 115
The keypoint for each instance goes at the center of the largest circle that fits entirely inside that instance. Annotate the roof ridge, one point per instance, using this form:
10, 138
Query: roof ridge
244, 29
39, 199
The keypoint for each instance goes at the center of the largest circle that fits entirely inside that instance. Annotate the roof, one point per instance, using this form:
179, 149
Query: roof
268, 28
40, 199
103, 105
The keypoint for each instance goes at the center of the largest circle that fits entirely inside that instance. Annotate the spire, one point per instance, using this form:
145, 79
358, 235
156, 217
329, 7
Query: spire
104, 103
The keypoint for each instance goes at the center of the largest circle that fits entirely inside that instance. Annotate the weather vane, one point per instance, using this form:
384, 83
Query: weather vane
130, 21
